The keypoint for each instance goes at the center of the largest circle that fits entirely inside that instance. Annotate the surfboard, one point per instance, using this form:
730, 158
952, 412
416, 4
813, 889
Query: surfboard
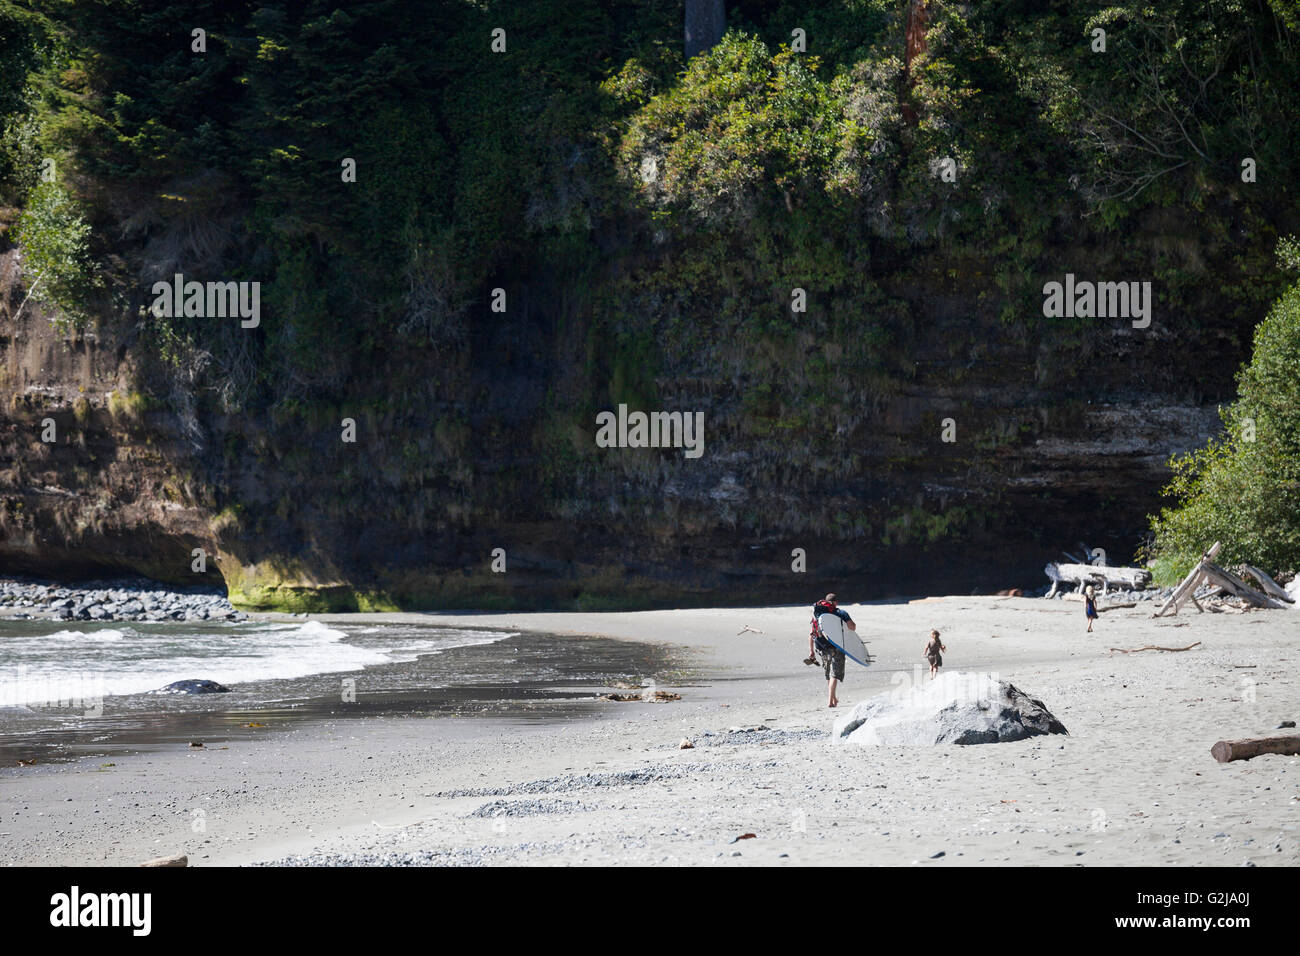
834, 630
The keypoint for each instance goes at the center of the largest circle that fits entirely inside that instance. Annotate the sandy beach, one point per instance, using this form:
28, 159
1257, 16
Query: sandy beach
1133, 783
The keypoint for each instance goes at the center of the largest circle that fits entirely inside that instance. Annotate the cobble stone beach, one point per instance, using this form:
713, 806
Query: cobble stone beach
126, 599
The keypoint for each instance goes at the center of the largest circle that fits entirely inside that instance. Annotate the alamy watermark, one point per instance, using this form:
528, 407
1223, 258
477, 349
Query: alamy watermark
208, 300
84, 691
960, 687
1098, 300
651, 430
127, 910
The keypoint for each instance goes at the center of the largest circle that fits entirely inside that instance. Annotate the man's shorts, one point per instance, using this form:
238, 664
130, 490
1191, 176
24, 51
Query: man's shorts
833, 661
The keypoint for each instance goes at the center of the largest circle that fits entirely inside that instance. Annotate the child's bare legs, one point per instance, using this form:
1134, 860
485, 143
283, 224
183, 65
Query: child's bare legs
1089, 625
934, 671
833, 700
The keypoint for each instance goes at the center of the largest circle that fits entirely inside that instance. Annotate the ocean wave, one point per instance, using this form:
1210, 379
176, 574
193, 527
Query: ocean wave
106, 636
88, 666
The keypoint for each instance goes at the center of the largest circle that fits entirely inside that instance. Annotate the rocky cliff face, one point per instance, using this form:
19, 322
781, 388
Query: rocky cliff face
917, 177
91, 478
1059, 435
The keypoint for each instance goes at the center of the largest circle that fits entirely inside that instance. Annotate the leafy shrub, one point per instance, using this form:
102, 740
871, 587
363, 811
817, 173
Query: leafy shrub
55, 246
746, 129
1243, 489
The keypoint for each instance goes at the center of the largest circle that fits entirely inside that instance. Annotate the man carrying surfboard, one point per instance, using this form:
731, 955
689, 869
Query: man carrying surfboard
832, 657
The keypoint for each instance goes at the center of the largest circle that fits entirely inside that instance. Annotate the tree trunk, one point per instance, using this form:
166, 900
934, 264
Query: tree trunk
706, 20
916, 40
29, 295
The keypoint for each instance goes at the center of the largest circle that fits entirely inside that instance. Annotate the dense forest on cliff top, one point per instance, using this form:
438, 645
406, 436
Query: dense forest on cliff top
641, 222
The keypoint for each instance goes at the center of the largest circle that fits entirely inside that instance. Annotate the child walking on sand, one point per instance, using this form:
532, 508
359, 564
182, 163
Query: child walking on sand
933, 653
1090, 606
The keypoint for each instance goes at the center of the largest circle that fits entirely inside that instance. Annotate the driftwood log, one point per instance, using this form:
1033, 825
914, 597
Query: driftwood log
1271, 587
1097, 574
1223, 581
1233, 584
180, 859
1227, 750
1186, 590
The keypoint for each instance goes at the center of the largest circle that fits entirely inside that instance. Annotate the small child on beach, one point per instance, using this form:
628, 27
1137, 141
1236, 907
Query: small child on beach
1090, 606
933, 653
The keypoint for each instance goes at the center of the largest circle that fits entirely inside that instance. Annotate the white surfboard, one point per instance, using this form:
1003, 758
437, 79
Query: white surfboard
834, 630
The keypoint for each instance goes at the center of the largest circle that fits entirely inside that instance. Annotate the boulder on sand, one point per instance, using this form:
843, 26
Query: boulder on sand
955, 708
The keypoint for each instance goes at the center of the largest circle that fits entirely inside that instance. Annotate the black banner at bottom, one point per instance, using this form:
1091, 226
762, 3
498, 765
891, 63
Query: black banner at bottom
339, 906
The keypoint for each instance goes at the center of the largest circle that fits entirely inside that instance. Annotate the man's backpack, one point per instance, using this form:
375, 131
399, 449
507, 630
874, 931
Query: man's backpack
819, 642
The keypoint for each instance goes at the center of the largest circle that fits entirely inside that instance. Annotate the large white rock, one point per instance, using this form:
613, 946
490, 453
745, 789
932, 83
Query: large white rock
955, 708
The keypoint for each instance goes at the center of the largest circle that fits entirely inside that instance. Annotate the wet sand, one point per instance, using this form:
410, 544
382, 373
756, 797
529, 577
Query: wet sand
530, 677
1134, 782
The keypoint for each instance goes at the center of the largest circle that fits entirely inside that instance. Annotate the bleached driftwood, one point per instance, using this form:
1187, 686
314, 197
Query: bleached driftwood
1097, 574
1187, 588
1227, 609
1183, 593
180, 859
1271, 587
1223, 581
1230, 582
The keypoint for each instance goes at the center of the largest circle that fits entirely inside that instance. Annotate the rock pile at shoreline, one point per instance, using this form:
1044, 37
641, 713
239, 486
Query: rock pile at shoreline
118, 600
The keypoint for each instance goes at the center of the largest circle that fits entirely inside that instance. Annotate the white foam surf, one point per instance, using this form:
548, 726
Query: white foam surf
82, 665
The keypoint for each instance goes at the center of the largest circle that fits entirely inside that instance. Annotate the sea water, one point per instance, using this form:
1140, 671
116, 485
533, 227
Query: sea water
70, 688
61, 663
